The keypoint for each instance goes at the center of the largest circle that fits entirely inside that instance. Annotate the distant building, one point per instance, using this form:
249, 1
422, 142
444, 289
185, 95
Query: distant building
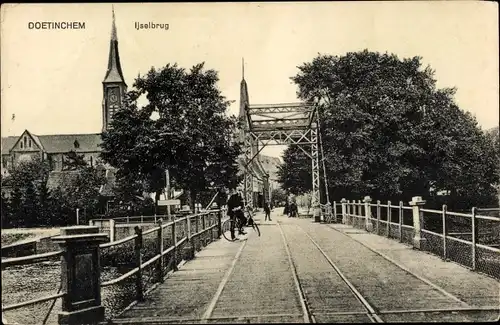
53, 148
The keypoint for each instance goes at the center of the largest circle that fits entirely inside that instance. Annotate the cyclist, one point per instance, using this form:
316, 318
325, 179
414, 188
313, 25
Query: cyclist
235, 210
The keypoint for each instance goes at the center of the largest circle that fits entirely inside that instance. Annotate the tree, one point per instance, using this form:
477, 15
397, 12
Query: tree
80, 190
191, 136
278, 195
295, 172
73, 161
27, 180
388, 132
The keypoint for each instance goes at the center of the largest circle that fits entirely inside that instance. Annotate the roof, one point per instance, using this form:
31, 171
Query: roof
57, 178
60, 143
8, 143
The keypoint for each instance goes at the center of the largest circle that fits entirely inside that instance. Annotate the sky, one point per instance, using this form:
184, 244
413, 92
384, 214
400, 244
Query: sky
52, 79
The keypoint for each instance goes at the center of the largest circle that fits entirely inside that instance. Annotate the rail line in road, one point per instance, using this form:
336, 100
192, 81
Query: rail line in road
370, 311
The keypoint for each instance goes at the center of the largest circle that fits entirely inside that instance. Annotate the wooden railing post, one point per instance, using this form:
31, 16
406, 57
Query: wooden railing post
388, 225
445, 233
197, 240
378, 217
219, 223
81, 275
343, 202
174, 243
159, 243
474, 238
203, 227
400, 226
368, 214
138, 262
417, 203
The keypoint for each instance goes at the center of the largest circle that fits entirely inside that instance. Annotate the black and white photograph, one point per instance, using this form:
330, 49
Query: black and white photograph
250, 162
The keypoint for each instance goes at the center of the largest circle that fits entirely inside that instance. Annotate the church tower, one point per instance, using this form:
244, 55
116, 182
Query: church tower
114, 86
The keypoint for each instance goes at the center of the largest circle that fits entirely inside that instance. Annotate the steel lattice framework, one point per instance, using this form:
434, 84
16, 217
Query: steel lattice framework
281, 124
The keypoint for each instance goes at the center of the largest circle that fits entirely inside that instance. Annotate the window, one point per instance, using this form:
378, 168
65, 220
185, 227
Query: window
91, 161
29, 143
76, 144
25, 142
21, 144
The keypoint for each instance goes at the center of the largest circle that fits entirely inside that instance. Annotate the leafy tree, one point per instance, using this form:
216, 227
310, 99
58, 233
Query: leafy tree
388, 132
295, 172
191, 136
73, 161
26, 181
80, 190
278, 195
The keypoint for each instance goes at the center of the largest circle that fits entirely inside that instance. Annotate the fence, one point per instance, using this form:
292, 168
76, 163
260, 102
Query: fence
472, 240
99, 278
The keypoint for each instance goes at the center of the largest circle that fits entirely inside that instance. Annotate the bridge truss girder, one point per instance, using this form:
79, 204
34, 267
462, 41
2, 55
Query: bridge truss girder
282, 124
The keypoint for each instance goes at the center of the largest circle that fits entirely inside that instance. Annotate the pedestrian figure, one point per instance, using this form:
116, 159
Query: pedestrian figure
293, 210
267, 210
285, 210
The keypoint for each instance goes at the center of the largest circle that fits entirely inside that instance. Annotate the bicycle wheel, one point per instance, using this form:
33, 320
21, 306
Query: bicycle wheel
226, 229
256, 228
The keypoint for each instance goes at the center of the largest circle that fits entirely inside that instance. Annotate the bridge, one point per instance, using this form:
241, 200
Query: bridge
358, 260
372, 262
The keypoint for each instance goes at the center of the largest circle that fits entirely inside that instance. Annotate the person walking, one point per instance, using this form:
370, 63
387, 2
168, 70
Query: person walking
267, 210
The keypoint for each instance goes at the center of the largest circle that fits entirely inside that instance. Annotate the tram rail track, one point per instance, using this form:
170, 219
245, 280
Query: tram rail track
371, 312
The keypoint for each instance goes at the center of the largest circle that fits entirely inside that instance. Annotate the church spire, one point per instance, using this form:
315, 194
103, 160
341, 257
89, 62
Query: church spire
244, 101
114, 86
114, 72
243, 68
113, 27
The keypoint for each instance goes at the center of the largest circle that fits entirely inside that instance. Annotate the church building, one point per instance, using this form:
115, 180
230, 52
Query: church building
55, 148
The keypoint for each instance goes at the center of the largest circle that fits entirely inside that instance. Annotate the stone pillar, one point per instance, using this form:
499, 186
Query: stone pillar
416, 203
368, 214
112, 229
344, 210
81, 274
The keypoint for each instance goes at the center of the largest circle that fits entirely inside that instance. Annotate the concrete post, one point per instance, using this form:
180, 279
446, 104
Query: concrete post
344, 210
81, 274
112, 230
188, 250
416, 203
368, 214
335, 211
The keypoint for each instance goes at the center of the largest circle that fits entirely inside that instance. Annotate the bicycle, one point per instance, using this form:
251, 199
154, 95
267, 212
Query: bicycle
226, 225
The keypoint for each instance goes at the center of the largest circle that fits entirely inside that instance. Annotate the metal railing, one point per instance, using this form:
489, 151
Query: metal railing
157, 250
149, 250
27, 260
469, 239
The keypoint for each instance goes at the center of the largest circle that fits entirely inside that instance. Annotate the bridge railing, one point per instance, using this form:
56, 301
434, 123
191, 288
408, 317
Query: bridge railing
331, 212
126, 268
470, 239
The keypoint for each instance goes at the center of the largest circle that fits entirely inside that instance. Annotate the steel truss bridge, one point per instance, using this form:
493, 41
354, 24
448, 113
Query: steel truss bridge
281, 124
